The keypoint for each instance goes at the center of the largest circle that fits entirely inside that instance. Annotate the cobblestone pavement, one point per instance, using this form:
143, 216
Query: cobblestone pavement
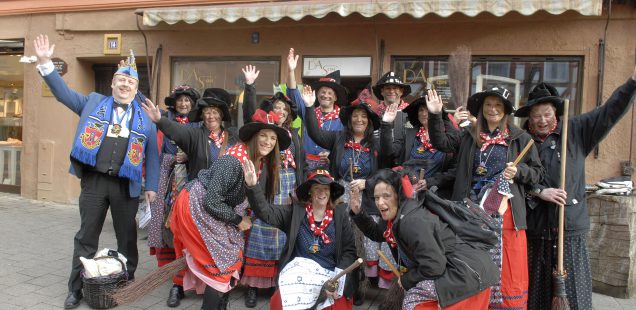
35, 259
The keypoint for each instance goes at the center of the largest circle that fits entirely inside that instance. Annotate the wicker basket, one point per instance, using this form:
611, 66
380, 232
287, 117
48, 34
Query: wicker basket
98, 290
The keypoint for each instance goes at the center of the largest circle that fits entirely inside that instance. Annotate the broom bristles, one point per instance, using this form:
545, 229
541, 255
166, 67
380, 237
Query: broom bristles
560, 303
149, 283
459, 75
559, 294
363, 285
393, 298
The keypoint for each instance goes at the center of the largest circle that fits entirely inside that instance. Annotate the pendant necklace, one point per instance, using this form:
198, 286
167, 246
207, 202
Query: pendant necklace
481, 169
315, 247
356, 160
116, 129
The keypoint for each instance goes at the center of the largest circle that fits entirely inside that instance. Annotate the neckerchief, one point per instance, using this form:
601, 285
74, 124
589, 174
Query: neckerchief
319, 230
388, 235
287, 158
181, 119
356, 146
239, 151
487, 140
426, 142
382, 108
542, 137
335, 114
91, 135
218, 140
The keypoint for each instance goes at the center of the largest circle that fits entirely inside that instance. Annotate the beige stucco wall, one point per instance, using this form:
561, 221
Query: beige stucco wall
80, 36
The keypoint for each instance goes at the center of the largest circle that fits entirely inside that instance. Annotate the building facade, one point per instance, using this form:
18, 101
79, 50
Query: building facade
586, 51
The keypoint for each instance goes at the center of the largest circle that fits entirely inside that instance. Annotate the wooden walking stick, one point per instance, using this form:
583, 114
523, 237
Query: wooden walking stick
395, 293
559, 295
332, 284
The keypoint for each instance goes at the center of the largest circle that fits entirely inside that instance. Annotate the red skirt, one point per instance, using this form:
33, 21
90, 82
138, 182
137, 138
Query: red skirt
475, 302
275, 303
514, 268
186, 235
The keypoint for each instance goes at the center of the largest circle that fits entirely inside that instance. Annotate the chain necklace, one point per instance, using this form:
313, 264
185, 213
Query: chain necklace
481, 169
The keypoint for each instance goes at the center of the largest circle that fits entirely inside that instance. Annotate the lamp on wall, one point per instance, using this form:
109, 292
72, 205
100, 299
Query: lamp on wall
256, 37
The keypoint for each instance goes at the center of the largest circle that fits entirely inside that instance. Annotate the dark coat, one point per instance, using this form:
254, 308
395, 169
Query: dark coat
458, 269
399, 150
288, 219
529, 170
195, 142
249, 107
585, 132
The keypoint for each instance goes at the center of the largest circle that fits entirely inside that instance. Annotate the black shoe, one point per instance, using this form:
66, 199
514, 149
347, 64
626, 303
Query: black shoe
250, 299
358, 297
73, 299
176, 294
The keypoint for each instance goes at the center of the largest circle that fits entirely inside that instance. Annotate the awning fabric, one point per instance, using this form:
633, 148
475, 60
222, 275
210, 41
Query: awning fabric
297, 10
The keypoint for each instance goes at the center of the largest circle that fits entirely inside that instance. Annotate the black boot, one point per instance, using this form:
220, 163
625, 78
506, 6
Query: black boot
250, 299
225, 299
211, 299
176, 294
358, 297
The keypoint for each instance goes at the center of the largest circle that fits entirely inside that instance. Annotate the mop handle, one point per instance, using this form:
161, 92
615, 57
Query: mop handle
388, 262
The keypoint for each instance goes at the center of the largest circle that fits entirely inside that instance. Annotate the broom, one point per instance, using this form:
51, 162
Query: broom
459, 77
395, 294
331, 285
142, 287
559, 295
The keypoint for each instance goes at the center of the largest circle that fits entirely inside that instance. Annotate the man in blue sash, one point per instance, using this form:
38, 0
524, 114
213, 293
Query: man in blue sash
113, 141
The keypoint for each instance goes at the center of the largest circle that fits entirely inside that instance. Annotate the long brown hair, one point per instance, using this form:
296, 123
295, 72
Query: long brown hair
272, 160
482, 124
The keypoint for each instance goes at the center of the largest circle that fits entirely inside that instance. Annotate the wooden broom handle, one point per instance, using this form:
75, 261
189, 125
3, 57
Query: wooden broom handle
388, 262
523, 152
564, 149
349, 269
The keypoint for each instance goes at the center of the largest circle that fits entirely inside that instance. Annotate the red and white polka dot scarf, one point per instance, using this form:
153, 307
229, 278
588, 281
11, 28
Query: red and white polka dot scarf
319, 230
218, 140
500, 138
426, 142
335, 114
388, 235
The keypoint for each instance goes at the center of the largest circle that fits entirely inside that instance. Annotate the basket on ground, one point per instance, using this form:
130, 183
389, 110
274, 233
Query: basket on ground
98, 290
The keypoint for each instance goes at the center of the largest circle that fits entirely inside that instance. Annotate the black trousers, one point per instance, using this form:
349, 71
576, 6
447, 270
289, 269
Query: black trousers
99, 191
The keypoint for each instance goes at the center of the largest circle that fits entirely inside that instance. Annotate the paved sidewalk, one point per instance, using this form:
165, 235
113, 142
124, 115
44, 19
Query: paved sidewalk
35, 259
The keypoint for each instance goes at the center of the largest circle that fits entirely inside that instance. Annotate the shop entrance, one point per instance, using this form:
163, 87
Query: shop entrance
11, 98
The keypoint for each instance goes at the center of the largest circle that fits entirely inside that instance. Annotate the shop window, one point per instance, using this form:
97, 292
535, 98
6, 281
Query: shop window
517, 74
222, 72
11, 96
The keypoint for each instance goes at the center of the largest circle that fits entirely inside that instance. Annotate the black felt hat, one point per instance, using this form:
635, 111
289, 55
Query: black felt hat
319, 176
216, 98
390, 78
332, 80
413, 109
265, 120
268, 104
180, 90
542, 93
345, 113
477, 100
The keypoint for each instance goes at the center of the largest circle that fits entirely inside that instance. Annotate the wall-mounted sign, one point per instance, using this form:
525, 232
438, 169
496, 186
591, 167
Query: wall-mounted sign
112, 44
348, 66
60, 65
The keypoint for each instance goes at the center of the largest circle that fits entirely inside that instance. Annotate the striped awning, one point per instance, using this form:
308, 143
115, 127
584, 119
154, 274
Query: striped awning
296, 10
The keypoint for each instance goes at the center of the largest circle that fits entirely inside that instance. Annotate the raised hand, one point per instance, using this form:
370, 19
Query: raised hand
309, 96
43, 50
634, 74
251, 74
152, 110
292, 60
355, 202
434, 102
390, 113
249, 173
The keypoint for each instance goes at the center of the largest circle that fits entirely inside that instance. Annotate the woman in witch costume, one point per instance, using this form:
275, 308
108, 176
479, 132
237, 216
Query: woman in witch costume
207, 143
209, 216
265, 242
484, 153
319, 237
440, 270
416, 144
172, 177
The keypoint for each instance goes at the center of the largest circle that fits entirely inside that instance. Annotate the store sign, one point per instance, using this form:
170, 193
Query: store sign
60, 65
348, 66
